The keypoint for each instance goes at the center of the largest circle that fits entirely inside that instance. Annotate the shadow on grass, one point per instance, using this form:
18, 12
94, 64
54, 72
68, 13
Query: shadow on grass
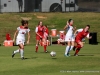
54, 58
27, 58
83, 55
45, 52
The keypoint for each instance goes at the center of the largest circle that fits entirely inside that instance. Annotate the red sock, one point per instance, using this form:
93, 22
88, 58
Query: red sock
45, 47
36, 48
77, 50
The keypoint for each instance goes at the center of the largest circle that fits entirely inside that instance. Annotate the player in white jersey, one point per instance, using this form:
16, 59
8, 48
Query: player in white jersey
20, 39
69, 38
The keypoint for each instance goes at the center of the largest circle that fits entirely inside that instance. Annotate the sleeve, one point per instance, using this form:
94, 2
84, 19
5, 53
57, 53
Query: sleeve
88, 35
28, 30
80, 30
18, 28
36, 29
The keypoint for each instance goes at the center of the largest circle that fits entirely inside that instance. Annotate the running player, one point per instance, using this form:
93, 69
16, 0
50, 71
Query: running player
78, 39
20, 39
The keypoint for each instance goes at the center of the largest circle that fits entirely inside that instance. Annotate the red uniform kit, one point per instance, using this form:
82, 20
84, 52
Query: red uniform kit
40, 31
46, 33
80, 36
78, 39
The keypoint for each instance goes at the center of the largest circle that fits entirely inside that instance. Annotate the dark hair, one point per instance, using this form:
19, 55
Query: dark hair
39, 22
24, 22
46, 26
88, 26
69, 20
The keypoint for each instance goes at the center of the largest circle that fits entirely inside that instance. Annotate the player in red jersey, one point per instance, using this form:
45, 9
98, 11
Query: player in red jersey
78, 39
45, 37
39, 34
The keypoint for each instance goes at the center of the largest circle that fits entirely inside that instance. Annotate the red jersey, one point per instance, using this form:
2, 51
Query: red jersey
40, 30
46, 33
82, 35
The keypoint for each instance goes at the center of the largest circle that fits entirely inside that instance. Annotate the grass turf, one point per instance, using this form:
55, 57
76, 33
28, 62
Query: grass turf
87, 63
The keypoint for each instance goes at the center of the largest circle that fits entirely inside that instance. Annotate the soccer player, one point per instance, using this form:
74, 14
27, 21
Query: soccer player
39, 35
20, 39
69, 38
78, 39
45, 37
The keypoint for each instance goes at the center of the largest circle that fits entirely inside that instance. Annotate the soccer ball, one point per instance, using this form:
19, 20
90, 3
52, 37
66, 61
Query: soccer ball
53, 54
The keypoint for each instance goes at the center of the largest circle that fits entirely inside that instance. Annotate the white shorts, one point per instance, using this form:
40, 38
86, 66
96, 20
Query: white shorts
69, 38
19, 41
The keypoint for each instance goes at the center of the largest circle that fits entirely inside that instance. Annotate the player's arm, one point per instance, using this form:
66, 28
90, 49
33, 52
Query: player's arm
36, 31
88, 36
15, 35
28, 39
66, 25
77, 31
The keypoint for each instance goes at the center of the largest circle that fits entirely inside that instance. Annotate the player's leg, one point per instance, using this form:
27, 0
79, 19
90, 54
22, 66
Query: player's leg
78, 47
45, 44
36, 48
37, 43
21, 45
68, 39
16, 51
72, 43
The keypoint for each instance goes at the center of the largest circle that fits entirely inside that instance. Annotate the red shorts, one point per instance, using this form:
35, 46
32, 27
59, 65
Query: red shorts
77, 40
38, 37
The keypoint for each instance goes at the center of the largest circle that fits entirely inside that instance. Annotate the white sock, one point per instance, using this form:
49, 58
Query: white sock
71, 48
21, 53
16, 51
67, 49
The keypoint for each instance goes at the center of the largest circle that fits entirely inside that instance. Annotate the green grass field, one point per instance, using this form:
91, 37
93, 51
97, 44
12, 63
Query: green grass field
87, 63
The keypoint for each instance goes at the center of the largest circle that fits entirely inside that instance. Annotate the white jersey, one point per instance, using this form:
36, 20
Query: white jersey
69, 35
21, 32
69, 31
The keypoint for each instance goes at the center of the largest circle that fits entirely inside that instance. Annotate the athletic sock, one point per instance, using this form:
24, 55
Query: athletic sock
16, 51
71, 48
36, 48
67, 49
22, 53
45, 47
77, 50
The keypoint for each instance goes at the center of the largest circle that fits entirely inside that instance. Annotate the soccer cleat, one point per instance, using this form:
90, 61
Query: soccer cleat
75, 54
13, 55
46, 51
23, 58
66, 55
74, 48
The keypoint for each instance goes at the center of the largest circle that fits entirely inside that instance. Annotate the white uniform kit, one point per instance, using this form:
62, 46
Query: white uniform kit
21, 35
69, 35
